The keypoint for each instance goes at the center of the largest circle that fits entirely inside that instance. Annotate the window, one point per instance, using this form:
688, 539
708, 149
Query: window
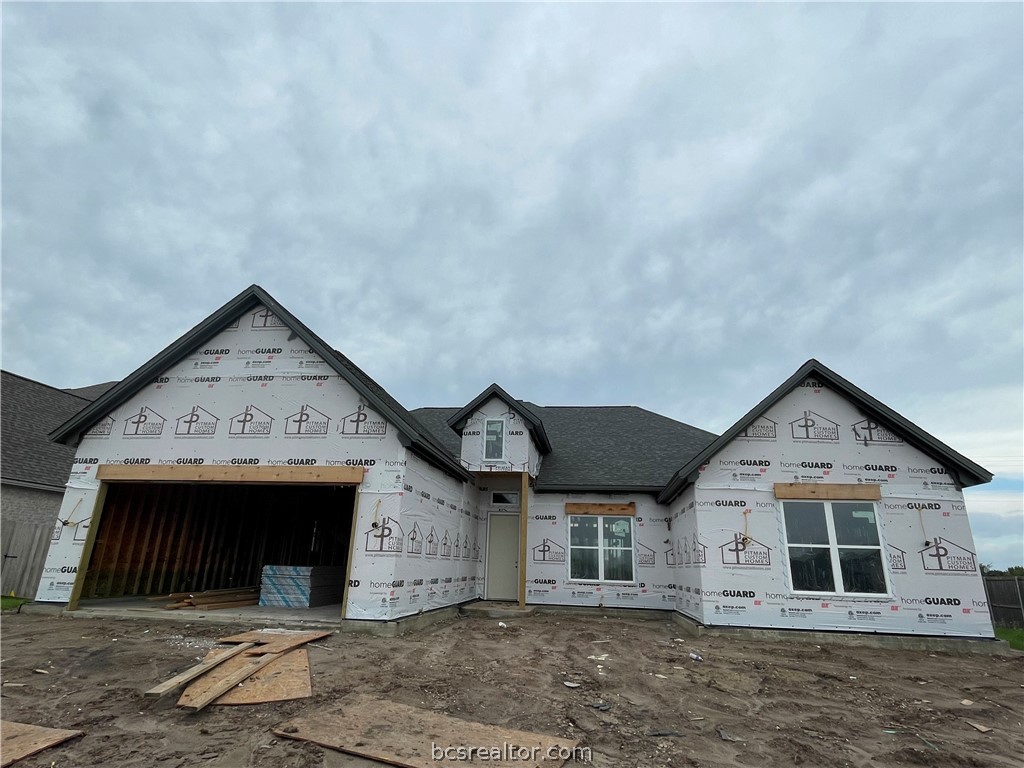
505, 499
601, 548
834, 547
494, 440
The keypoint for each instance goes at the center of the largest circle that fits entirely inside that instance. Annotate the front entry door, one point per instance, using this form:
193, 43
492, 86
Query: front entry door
503, 557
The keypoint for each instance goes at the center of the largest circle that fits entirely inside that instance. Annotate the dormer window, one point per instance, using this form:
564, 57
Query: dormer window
494, 440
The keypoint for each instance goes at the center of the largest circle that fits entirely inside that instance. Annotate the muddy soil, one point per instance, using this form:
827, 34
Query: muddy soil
748, 703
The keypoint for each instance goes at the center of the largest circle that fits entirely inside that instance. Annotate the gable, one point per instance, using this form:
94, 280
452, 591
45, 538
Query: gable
876, 425
817, 435
259, 335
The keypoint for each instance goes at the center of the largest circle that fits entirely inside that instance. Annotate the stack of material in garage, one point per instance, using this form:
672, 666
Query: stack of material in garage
297, 586
212, 599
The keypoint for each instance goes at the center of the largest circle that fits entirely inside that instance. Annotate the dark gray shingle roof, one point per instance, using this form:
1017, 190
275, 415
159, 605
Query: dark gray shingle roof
28, 411
92, 391
598, 447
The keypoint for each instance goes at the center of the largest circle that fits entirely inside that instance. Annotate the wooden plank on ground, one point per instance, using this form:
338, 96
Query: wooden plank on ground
275, 642
284, 679
225, 604
402, 735
223, 654
208, 691
838, 491
19, 740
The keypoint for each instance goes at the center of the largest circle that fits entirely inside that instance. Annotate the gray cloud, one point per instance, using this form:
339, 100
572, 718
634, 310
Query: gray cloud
666, 205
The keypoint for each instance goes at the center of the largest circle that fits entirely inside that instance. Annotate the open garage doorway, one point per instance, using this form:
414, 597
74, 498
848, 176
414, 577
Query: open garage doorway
159, 538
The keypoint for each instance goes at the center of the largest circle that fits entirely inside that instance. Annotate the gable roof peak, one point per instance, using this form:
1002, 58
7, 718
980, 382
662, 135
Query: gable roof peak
533, 420
412, 433
967, 472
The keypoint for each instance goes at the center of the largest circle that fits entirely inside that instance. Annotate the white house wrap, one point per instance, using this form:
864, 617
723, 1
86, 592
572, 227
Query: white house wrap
251, 441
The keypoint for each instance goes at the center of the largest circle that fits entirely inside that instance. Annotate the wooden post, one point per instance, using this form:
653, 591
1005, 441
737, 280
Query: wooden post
351, 554
90, 540
523, 509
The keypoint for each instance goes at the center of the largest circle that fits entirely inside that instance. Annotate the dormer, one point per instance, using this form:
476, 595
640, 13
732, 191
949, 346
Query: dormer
500, 434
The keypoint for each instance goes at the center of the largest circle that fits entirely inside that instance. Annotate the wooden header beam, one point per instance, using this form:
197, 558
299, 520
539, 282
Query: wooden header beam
173, 473
622, 510
829, 491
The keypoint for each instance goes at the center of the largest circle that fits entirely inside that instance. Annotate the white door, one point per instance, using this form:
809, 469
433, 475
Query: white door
503, 557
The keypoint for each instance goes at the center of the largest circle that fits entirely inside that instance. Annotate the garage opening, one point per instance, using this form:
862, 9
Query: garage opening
157, 538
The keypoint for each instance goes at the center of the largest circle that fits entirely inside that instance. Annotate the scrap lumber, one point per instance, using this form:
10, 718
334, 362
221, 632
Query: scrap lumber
192, 673
284, 679
275, 642
402, 735
19, 740
213, 598
213, 690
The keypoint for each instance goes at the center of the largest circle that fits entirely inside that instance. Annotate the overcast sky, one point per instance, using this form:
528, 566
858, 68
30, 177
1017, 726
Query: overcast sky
671, 206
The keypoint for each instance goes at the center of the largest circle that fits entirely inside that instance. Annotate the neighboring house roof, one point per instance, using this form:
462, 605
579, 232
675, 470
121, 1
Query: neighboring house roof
533, 422
412, 434
92, 391
28, 410
597, 448
964, 470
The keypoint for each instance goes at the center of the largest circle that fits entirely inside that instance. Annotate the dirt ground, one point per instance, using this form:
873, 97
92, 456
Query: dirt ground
749, 703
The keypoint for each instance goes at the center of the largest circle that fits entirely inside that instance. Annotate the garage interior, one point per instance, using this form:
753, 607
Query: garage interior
155, 538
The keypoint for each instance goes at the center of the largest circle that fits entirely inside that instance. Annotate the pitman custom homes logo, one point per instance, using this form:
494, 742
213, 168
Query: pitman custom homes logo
415, 540
363, 423
814, 427
145, 423
868, 431
252, 422
432, 542
101, 428
696, 553
548, 552
897, 558
760, 429
743, 550
385, 538
198, 422
945, 555
265, 320
644, 556
308, 422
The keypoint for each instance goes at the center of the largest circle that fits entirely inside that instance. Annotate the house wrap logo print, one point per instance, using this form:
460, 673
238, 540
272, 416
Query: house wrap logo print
145, 423
252, 422
265, 320
198, 422
359, 424
869, 431
308, 422
814, 426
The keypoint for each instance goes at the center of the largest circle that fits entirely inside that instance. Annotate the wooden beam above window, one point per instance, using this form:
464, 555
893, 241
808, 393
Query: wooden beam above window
621, 510
165, 473
829, 491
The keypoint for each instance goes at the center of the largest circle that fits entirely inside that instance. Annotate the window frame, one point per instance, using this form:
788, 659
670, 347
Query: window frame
488, 420
834, 548
504, 503
601, 549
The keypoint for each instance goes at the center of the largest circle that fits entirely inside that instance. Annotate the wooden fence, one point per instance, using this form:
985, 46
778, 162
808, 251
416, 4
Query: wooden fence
25, 545
1006, 600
